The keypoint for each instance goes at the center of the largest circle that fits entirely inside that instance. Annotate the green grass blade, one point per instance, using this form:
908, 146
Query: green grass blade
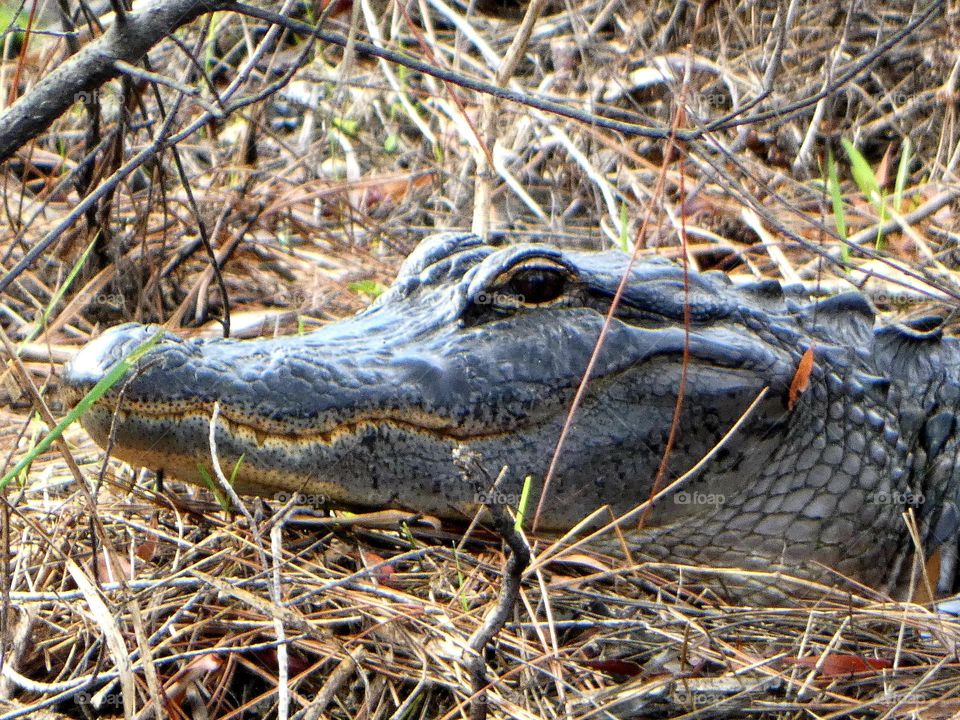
882, 218
524, 502
903, 168
624, 238
207, 478
236, 469
58, 295
97, 392
836, 200
867, 182
862, 173
461, 582
371, 288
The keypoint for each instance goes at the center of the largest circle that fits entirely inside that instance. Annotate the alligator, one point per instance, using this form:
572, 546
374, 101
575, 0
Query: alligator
469, 363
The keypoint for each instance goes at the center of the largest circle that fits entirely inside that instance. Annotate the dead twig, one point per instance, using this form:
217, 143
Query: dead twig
497, 618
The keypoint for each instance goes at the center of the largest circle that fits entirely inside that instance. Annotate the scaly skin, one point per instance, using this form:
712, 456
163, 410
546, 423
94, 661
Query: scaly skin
469, 363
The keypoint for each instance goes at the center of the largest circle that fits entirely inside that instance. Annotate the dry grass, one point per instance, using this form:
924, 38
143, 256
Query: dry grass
311, 195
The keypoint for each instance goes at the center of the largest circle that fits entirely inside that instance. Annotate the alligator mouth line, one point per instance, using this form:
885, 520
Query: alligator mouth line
262, 430
309, 436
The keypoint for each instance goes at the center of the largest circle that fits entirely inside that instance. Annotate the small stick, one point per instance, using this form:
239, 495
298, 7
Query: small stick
513, 573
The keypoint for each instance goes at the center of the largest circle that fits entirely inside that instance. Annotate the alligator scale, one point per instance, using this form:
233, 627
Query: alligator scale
470, 361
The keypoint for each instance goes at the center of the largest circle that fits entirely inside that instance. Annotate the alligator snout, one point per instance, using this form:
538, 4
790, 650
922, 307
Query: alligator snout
467, 365
101, 354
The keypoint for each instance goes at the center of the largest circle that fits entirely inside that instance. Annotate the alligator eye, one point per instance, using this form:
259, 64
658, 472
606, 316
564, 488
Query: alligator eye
537, 285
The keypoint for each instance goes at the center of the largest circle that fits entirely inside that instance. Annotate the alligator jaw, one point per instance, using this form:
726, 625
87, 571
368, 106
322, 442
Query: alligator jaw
453, 374
359, 454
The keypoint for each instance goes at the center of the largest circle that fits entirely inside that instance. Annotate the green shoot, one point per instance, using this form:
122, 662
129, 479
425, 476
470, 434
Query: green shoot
624, 238
59, 293
865, 179
214, 487
862, 173
346, 126
524, 502
461, 582
370, 288
216, 20
9, 19
236, 470
408, 534
903, 169
836, 199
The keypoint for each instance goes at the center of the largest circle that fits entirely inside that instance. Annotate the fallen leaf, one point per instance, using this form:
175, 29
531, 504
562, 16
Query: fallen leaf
841, 665
180, 683
801, 380
384, 574
624, 668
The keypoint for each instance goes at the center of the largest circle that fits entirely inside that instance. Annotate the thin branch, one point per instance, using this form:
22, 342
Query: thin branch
494, 622
862, 64
90, 68
469, 83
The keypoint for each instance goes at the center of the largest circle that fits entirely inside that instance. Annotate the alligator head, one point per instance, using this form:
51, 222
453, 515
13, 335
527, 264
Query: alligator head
469, 363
